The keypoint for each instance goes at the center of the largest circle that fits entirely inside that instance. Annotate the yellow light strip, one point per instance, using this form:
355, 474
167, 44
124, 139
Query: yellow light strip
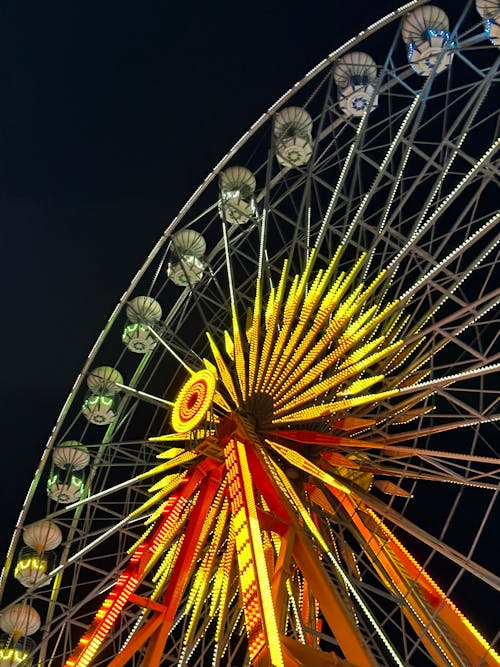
239, 355
342, 316
163, 570
360, 385
273, 309
254, 338
167, 569
334, 327
362, 352
297, 502
164, 482
229, 345
300, 462
289, 313
224, 373
305, 318
301, 382
158, 496
220, 601
172, 452
316, 411
197, 595
334, 381
281, 338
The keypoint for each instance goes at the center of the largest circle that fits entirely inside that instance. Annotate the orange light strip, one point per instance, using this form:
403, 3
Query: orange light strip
470, 640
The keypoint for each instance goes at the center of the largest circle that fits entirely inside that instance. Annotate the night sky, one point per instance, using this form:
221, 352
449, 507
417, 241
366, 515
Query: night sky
111, 114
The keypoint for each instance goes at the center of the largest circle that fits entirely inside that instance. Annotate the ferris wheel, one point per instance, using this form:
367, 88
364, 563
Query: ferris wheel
282, 449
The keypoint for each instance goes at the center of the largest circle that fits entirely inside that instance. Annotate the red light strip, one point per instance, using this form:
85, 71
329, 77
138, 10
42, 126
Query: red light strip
127, 583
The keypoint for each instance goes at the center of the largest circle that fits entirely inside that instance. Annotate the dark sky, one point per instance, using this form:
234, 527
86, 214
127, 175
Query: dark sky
111, 114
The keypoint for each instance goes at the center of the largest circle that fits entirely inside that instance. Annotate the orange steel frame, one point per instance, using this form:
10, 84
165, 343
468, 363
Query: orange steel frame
264, 572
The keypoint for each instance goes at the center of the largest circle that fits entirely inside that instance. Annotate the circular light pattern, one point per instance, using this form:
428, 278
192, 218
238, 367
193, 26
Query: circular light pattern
193, 401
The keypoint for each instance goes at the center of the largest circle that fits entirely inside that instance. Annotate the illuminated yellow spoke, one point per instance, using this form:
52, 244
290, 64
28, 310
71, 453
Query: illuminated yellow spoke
163, 570
334, 381
228, 345
300, 462
203, 575
361, 331
316, 411
224, 373
342, 347
291, 306
354, 333
254, 337
362, 352
220, 592
167, 567
159, 495
360, 385
165, 482
239, 355
335, 326
404, 354
272, 317
305, 317
280, 339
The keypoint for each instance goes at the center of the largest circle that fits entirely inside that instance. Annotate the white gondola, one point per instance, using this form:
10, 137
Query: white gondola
71, 454
101, 406
66, 484
138, 338
16, 653
42, 536
237, 195
143, 312
186, 265
293, 136
37, 558
100, 409
31, 567
65, 487
102, 380
490, 11
355, 74
20, 620
425, 32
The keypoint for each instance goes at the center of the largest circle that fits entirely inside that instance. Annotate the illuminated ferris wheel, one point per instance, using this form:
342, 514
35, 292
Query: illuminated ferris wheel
282, 448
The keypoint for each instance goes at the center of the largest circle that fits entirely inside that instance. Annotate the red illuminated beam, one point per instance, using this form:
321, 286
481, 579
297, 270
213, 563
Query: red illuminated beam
140, 563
